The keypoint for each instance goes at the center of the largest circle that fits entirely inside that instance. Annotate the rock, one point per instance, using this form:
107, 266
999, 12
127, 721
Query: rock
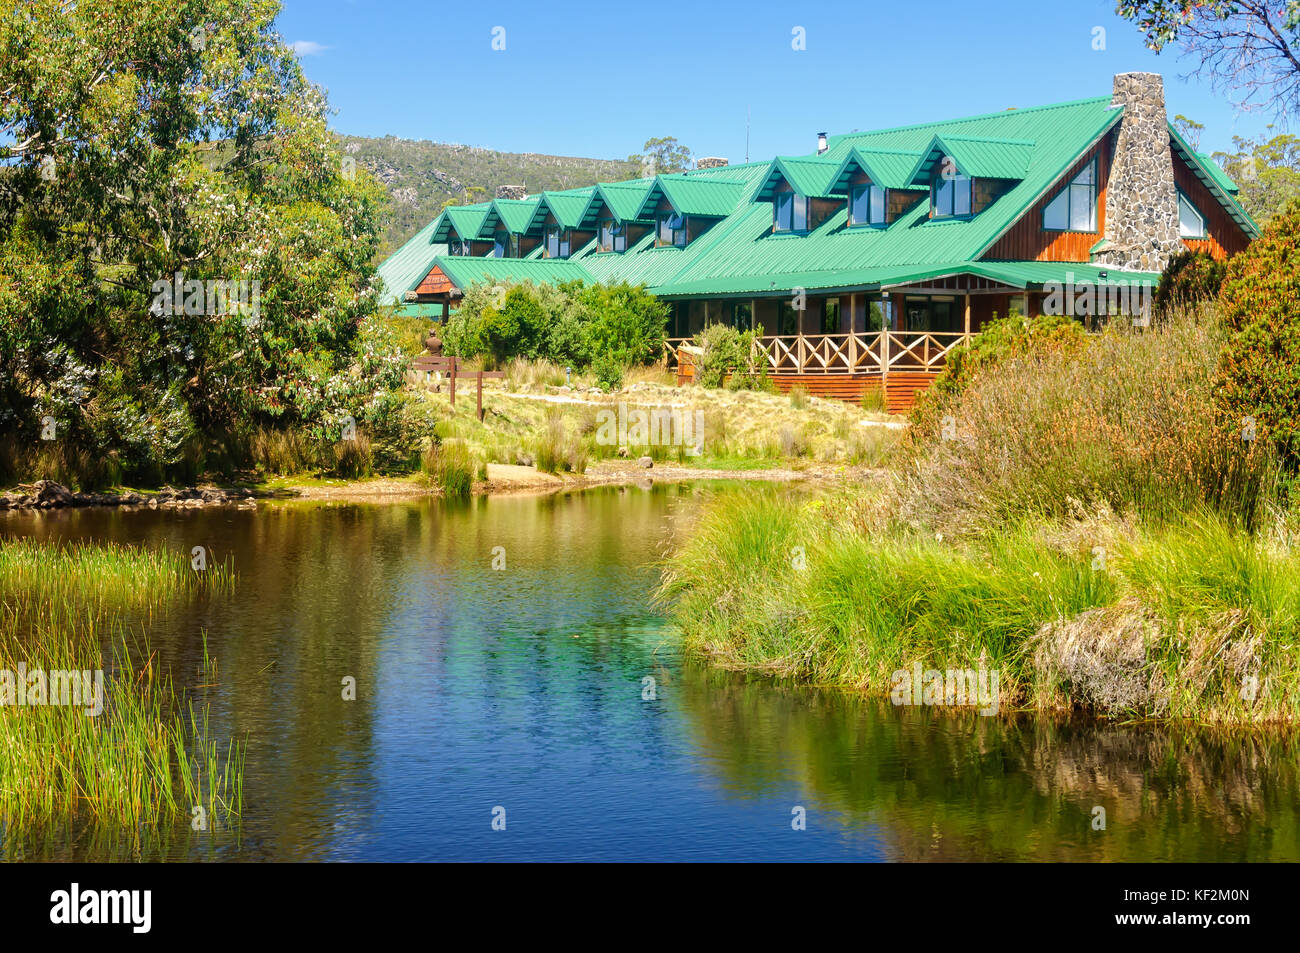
213, 495
622, 452
524, 460
50, 494
646, 462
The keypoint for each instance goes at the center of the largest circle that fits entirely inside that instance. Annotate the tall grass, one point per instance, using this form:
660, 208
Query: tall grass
451, 467
1127, 421
148, 758
1168, 625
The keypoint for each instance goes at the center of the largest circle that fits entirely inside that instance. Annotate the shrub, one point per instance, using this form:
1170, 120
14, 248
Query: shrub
609, 372
1259, 363
724, 350
998, 340
1190, 279
1127, 422
798, 398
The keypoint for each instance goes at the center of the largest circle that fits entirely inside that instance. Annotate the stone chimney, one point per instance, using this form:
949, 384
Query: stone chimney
710, 162
511, 192
1141, 200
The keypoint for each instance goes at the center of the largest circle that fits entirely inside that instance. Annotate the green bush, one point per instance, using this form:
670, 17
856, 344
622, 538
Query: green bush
1190, 279
450, 466
725, 350
1259, 364
609, 372
571, 324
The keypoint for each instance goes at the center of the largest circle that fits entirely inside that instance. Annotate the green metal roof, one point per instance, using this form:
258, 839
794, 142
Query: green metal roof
514, 214
890, 169
1216, 170
403, 269
1032, 148
809, 177
693, 194
465, 271
462, 220
623, 199
572, 208
975, 157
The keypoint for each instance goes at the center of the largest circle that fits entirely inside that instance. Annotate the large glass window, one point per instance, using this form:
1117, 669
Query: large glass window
950, 196
742, 316
557, 242
831, 316
1191, 223
1075, 208
867, 205
790, 212
787, 319
613, 235
672, 230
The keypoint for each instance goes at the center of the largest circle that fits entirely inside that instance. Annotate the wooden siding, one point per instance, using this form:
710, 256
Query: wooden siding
1225, 236
1028, 241
435, 283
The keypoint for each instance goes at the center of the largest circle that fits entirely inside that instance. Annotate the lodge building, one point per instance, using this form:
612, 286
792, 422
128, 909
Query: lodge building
863, 263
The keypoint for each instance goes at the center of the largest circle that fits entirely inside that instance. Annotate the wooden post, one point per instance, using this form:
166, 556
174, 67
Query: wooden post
479, 381
451, 374
753, 315
967, 324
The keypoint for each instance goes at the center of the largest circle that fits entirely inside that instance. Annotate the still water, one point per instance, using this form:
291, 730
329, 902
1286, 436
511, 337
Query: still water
525, 688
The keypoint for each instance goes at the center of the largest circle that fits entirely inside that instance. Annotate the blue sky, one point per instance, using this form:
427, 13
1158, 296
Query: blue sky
598, 79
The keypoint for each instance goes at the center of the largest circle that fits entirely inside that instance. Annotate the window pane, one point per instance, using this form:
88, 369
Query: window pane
784, 211
552, 243
943, 190
859, 208
877, 205
1082, 209
1190, 223
1057, 213
800, 213
961, 197
564, 244
1085, 177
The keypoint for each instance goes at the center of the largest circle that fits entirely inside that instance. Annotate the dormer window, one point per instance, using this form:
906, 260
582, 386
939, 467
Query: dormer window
789, 212
613, 235
458, 247
867, 205
504, 245
557, 242
950, 195
1075, 208
671, 230
1191, 223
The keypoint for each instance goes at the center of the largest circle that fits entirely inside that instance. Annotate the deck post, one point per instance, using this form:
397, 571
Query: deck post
966, 329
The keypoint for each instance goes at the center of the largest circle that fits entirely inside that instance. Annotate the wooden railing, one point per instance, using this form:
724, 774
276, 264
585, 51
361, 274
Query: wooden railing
874, 352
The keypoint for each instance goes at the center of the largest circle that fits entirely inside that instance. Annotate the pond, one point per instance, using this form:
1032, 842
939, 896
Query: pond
509, 665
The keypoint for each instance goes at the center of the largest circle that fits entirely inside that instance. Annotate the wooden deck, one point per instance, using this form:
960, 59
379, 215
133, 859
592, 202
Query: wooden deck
844, 366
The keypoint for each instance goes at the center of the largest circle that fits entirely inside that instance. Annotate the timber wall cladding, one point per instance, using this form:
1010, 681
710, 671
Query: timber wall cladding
900, 389
434, 283
1226, 237
1026, 240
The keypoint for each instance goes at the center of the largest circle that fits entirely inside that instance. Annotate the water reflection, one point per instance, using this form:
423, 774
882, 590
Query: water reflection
522, 688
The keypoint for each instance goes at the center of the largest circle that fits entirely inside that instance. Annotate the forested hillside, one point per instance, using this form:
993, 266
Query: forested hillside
424, 176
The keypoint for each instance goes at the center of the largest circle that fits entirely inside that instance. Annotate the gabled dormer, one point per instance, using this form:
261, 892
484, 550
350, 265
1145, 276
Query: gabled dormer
876, 185
567, 221
799, 190
683, 207
617, 206
507, 225
967, 175
458, 226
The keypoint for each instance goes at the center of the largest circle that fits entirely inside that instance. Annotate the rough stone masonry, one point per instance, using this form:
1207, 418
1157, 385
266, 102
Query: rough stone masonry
1141, 199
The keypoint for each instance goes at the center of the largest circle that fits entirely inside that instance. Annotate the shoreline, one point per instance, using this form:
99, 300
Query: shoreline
503, 480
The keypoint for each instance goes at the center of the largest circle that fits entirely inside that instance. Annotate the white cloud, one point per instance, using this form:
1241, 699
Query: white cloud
308, 47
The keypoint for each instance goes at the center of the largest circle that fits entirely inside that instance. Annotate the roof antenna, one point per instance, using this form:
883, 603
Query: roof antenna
746, 135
